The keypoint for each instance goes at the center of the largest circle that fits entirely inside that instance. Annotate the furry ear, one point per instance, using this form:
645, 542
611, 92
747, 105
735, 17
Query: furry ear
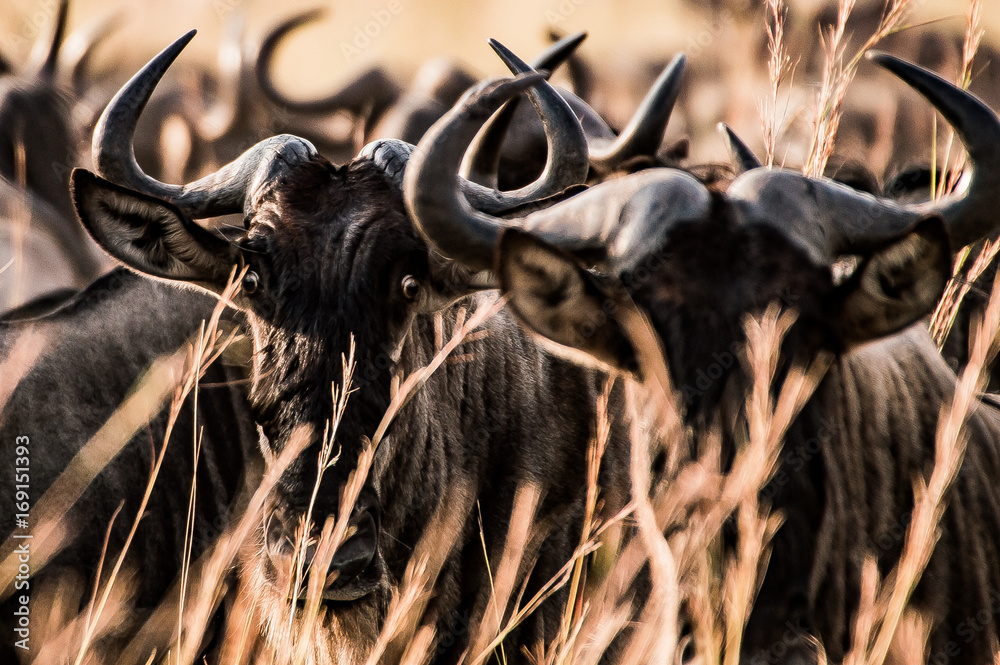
555, 296
897, 285
149, 235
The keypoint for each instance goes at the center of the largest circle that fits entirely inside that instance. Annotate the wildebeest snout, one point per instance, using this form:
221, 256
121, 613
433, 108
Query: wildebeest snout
356, 568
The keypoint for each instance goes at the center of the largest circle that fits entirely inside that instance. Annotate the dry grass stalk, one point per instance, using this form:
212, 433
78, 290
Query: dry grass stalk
656, 637
970, 47
176, 374
298, 630
330, 540
406, 609
837, 77
190, 519
947, 309
515, 557
153, 389
756, 463
419, 377
959, 286
923, 532
219, 561
108, 607
419, 648
694, 504
335, 534
768, 420
22, 356
211, 345
779, 69
21, 219
522, 612
572, 619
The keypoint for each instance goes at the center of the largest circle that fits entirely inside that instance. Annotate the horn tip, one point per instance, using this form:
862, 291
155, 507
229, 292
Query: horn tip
313, 14
513, 62
882, 59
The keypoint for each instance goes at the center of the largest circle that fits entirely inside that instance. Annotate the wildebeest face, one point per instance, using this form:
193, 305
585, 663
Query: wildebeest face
328, 256
699, 287
697, 262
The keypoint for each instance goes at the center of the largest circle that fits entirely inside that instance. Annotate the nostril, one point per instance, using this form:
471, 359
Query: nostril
357, 552
355, 570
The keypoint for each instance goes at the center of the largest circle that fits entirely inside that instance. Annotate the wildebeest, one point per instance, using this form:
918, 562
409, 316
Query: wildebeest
366, 96
331, 255
385, 110
696, 262
97, 345
37, 150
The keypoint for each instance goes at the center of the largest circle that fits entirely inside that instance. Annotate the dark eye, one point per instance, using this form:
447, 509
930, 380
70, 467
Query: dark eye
250, 282
411, 287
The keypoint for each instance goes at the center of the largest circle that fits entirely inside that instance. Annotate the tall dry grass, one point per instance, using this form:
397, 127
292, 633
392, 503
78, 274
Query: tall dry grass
601, 606
839, 72
885, 610
965, 275
780, 69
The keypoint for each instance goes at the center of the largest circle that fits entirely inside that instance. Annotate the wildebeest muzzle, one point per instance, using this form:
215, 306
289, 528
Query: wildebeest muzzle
356, 569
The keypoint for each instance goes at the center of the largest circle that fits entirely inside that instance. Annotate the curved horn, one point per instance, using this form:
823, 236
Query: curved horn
233, 188
431, 184
580, 74
78, 51
484, 155
831, 219
644, 133
974, 215
566, 164
45, 55
743, 158
649, 201
371, 93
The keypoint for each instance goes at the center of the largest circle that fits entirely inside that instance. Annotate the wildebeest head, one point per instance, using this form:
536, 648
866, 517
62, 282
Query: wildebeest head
697, 263
329, 254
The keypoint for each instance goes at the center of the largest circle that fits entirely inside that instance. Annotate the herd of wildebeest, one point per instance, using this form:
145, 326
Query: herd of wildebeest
464, 188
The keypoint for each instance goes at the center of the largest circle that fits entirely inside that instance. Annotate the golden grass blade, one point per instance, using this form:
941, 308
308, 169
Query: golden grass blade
837, 77
26, 350
947, 308
779, 69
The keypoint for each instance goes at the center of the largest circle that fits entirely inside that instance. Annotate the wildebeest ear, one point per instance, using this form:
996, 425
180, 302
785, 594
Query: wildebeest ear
552, 293
149, 235
897, 285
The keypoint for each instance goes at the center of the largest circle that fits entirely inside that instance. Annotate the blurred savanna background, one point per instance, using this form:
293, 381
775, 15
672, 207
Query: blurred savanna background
628, 44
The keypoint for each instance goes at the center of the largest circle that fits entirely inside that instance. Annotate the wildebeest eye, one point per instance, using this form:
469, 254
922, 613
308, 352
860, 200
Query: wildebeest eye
411, 287
250, 282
